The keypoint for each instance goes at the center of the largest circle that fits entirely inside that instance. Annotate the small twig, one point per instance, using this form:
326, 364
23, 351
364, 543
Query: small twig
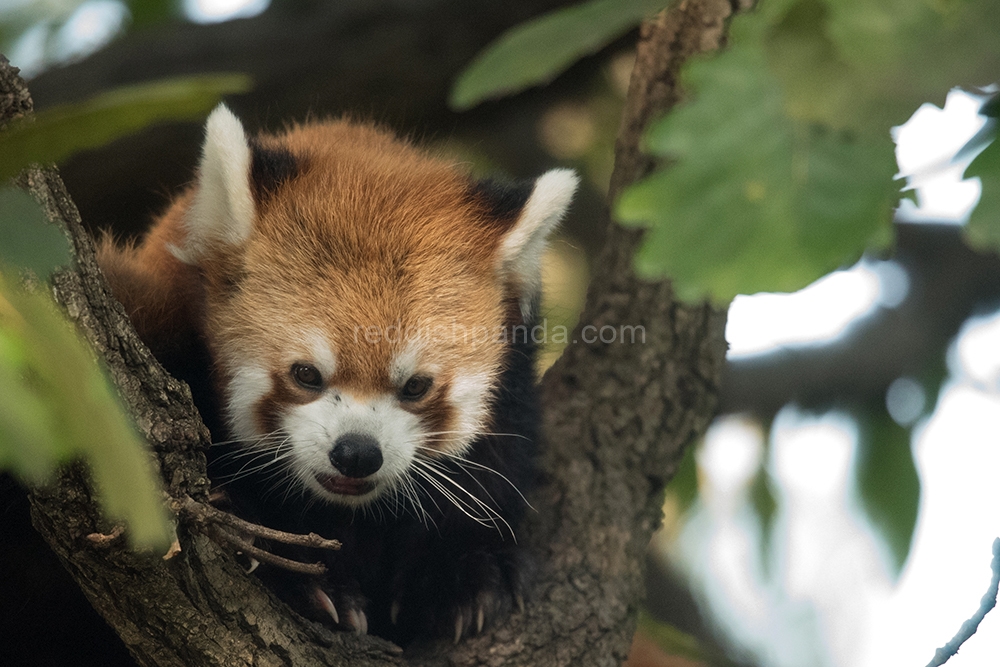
204, 514
173, 549
943, 654
222, 535
216, 524
103, 540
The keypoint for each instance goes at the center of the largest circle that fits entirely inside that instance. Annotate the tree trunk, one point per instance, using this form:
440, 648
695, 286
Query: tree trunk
617, 417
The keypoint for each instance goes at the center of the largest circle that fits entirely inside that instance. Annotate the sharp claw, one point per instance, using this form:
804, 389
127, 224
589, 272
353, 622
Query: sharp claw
364, 623
394, 611
253, 565
480, 618
326, 603
520, 602
458, 626
354, 621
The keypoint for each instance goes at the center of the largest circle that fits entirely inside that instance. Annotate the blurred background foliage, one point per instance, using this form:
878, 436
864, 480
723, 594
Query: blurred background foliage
58, 405
776, 170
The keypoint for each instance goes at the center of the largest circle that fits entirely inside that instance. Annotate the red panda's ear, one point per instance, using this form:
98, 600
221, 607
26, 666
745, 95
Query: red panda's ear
522, 246
222, 212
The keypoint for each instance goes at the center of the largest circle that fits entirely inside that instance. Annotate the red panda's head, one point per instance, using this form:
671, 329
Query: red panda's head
357, 292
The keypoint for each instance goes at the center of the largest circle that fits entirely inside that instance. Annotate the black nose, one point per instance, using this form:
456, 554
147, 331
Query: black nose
356, 455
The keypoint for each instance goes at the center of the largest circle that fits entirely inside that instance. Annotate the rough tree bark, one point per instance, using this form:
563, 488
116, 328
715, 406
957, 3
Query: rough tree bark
617, 417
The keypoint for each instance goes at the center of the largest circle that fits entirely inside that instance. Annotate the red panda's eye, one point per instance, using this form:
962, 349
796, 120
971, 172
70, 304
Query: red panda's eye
307, 376
415, 388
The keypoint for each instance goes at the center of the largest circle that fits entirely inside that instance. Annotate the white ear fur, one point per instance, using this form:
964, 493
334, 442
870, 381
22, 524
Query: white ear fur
521, 252
223, 209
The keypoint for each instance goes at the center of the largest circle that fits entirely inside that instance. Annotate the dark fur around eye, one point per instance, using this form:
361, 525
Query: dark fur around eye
415, 388
307, 377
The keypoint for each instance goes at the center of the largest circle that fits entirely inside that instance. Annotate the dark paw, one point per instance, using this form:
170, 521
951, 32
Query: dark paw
338, 606
460, 596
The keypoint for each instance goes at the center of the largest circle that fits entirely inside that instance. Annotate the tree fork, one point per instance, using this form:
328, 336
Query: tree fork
616, 419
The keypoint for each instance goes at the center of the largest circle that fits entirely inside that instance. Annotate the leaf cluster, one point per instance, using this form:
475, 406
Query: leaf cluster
983, 230
57, 133
58, 404
781, 162
537, 51
780, 166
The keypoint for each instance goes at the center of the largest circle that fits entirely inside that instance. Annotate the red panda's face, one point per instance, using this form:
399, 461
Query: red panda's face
357, 294
357, 382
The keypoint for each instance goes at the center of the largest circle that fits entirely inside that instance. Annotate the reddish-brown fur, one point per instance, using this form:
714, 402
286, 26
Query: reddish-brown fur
369, 232
351, 296
161, 295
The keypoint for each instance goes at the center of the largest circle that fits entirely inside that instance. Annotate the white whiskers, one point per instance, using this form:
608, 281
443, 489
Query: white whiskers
467, 502
268, 453
437, 475
433, 476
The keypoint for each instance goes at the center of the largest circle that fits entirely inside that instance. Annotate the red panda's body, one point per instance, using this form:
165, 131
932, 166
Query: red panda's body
354, 308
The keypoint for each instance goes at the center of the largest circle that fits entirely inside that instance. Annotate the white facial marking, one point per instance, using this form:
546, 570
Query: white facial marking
522, 248
406, 362
222, 212
315, 427
320, 353
469, 394
248, 385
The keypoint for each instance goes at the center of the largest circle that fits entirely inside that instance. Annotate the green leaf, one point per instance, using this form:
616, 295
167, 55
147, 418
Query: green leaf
53, 135
29, 445
782, 163
537, 51
887, 482
983, 230
27, 240
58, 405
757, 200
907, 52
684, 484
815, 80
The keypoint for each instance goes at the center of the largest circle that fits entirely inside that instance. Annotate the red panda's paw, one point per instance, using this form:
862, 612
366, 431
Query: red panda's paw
460, 597
339, 606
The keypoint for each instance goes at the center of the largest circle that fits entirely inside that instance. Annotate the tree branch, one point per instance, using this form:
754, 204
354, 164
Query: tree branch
943, 654
616, 419
199, 608
616, 415
229, 529
948, 281
223, 536
205, 515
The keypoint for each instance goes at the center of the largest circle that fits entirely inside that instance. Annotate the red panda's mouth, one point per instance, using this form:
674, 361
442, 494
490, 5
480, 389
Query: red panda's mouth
345, 486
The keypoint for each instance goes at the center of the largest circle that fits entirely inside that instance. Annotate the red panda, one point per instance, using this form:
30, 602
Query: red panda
354, 316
